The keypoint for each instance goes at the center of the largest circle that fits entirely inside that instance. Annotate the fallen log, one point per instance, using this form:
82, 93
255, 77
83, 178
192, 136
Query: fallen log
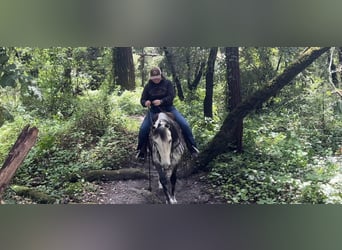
33, 194
114, 175
16, 156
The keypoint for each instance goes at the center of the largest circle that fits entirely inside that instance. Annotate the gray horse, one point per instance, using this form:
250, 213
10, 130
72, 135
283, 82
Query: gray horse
167, 147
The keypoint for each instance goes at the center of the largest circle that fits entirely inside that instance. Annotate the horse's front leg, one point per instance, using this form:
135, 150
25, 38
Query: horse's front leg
163, 181
173, 180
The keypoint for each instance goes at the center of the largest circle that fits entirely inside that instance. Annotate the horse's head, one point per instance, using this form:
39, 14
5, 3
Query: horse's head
162, 138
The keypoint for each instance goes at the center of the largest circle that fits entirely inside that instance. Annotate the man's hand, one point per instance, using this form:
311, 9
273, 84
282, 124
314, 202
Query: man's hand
157, 102
148, 103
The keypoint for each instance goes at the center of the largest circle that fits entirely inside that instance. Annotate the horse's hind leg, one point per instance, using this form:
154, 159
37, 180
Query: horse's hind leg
173, 180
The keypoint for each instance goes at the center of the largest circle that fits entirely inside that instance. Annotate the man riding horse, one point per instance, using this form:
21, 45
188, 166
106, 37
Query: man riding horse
158, 96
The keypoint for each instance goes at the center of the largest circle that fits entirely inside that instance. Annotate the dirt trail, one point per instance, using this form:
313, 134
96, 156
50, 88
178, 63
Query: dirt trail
191, 190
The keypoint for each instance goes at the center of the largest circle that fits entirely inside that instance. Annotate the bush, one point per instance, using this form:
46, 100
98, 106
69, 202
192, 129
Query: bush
92, 115
129, 103
112, 150
253, 178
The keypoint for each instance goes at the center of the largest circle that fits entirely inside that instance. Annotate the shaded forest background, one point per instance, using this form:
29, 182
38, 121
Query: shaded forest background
259, 143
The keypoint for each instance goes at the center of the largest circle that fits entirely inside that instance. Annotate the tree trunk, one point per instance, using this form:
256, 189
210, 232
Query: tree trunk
188, 66
142, 67
66, 81
16, 156
234, 93
170, 61
219, 143
333, 70
209, 83
339, 85
198, 76
124, 74
99, 73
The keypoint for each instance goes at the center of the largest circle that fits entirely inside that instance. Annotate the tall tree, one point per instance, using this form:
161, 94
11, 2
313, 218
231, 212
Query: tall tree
198, 75
123, 66
194, 66
209, 83
219, 145
171, 64
65, 85
339, 67
141, 66
234, 93
144, 54
97, 71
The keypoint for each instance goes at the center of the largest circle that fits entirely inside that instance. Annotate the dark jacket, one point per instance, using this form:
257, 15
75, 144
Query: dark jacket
163, 91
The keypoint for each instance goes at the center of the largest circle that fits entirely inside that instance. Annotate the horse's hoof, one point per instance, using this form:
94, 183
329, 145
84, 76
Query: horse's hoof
173, 200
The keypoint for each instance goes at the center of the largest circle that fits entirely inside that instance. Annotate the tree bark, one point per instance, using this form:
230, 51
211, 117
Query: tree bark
142, 67
209, 83
220, 143
66, 87
124, 74
171, 63
339, 50
16, 156
234, 93
198, 76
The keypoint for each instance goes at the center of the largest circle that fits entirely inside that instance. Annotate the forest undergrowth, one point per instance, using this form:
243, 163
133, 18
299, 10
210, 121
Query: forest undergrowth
287, 154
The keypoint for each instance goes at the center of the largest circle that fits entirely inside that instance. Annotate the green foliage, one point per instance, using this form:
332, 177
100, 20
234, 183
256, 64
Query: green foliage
92, 115
112, 150
98, 136
204, 128
253, 178
128, 102
5, 116
313, 194
285, 158
8, 71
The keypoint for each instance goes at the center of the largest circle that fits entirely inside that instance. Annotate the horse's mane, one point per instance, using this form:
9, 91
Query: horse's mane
162, 132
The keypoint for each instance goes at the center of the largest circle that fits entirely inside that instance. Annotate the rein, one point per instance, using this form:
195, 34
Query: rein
150, 155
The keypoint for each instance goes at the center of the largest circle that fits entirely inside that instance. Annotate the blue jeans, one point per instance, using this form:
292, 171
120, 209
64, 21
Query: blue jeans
147, 123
